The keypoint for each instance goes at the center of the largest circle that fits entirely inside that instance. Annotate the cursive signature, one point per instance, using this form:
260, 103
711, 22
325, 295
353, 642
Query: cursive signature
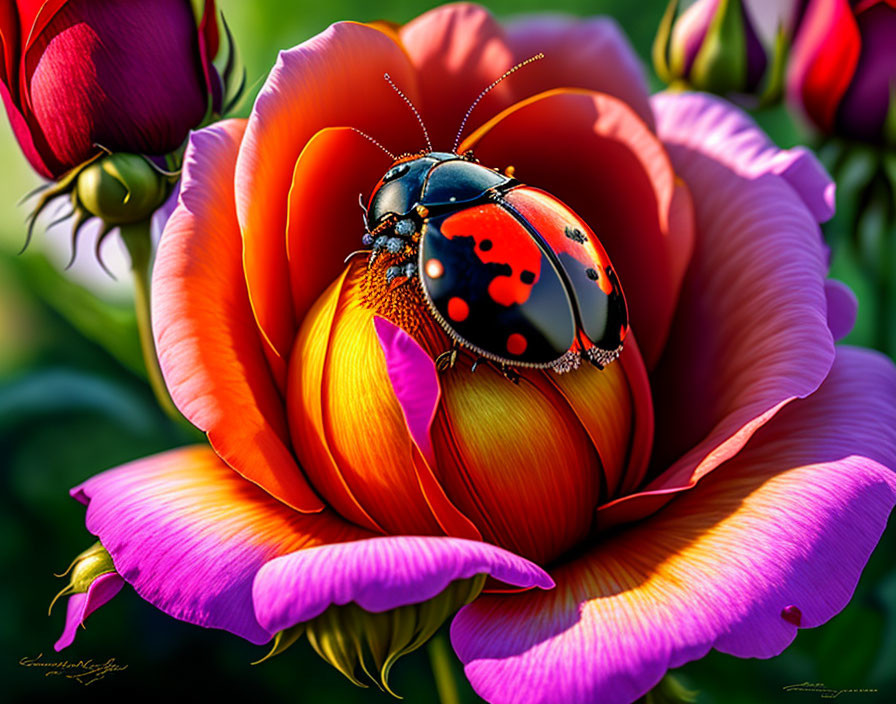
85, 672
824, 692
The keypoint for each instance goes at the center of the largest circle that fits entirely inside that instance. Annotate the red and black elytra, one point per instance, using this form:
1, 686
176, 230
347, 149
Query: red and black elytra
508, 270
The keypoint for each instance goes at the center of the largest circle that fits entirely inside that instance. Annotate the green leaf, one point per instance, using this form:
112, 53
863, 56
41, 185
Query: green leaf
112, 327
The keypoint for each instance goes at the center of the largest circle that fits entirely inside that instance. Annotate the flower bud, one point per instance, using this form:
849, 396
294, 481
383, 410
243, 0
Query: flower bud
80, 75
84, 570
843, 69
121, 188
348, 636
525, 462
712, 46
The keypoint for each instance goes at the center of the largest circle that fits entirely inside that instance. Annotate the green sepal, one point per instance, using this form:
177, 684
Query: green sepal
198, 10
121, 188
660, 51
774, 87
669, 691
349, 638
84, 569
721, 64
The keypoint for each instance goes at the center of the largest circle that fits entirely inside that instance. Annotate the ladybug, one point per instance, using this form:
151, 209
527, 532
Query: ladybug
508, 270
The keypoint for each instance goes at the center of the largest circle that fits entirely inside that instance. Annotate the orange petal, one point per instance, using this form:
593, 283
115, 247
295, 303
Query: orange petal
515, 459
324, 220
348, 426
212, 362
305, 412
613, 409
333, 80
457, 50
595, 154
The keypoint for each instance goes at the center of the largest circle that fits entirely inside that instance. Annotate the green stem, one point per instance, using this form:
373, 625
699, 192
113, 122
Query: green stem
440, 659
137, 239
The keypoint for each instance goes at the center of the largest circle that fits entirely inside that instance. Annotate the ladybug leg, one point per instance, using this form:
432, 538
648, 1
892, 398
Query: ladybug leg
407, 268
510, 374
600, 358
569, 362
447, 359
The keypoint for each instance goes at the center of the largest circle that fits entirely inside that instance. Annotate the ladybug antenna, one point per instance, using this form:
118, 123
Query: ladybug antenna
367, 136
516, 68
411, 106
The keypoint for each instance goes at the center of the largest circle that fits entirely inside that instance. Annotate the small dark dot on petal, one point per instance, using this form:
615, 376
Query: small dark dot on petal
792, 614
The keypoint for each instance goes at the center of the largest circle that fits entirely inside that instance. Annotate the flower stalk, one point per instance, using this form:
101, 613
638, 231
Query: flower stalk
440, 660
138, 241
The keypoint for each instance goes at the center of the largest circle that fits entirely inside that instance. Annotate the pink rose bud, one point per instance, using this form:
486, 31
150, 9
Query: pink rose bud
712, 46
126, 75
843, 70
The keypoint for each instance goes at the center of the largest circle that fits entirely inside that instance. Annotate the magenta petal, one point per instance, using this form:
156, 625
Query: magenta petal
842, 308
379, 574
780, 534
414, 381
80, 606
189, 534
719, 130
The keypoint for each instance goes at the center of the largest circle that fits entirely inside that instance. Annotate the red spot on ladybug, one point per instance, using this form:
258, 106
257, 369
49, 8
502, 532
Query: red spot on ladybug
500, 239
792, 614
458, 310
434, 269
516, 344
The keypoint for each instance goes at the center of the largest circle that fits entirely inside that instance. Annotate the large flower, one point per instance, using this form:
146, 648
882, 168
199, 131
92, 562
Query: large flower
719, 486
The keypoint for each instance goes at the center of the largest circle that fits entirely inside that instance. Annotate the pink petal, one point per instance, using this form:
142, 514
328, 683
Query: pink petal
379, 574
80, 606
784, 530
189, 534
717, 129
210, 356
414, 381
751, 332
842, 308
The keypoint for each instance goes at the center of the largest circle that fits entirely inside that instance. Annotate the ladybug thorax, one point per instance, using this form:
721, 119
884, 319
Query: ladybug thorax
414, 189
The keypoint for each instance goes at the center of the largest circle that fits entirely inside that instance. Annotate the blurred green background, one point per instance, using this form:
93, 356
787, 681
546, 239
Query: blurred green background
73, 402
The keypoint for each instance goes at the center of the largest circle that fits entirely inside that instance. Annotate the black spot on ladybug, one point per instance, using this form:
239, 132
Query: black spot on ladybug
592, 274
527, 277
575, 234
485, 245
395, 172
